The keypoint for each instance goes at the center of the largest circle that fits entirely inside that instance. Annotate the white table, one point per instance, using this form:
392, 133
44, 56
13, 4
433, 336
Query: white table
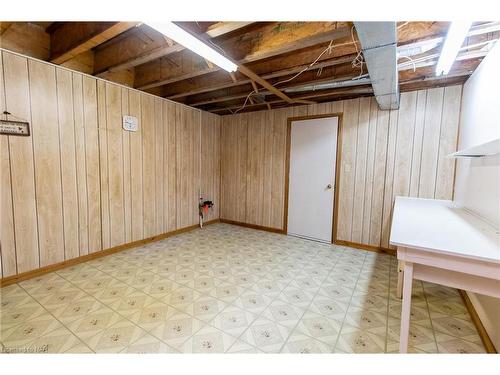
443, 243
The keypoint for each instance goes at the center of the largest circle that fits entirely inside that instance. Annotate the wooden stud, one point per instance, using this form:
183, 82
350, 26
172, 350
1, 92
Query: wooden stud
74, 38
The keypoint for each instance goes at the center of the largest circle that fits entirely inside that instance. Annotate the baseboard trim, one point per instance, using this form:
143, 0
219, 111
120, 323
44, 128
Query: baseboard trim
84, 258
253, 226
355, 245
362, 246
485, 338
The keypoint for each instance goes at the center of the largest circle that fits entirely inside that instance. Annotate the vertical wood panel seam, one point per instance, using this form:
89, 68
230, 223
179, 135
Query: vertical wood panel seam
86, 171
373, 175
130, 167
60, 163
175, 166
247, 162
107, 159
199, 162
153, 139
456, 143
12, 200
76, 164
439, 143
221, 168
99, 132
142, 169
10, 174
422, 149
413, 142
391, 197
34, 162
366, 169
385, 179
123, 169
355, 165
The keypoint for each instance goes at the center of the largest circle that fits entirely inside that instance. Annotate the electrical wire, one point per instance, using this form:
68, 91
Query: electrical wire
357, 62
327, 49
403, 25
210, 41
411, 60
244, 103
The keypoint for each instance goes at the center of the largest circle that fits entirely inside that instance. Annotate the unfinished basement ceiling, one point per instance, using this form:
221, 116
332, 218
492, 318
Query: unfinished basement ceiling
135, 55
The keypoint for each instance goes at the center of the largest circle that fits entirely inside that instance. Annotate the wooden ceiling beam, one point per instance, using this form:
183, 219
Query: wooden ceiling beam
206, 84
4, 26
344, 72
421, 79
302, 99
26, 38
223, 28
146, 44
260, 43
295, 61
341, 68
73, 38
261, 81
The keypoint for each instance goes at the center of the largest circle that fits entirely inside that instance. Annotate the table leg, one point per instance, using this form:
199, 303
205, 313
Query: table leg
406, 307
399, 290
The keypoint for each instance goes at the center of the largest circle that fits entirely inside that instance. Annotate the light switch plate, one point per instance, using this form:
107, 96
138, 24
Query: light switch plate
130, 123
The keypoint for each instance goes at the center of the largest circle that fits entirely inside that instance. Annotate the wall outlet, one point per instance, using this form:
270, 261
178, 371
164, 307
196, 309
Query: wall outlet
130, 123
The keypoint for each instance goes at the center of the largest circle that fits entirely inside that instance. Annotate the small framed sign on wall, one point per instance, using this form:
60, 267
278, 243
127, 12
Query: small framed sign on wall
10, 127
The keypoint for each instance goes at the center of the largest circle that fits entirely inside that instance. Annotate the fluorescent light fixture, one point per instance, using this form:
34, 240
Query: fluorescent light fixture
454, 40
192, 43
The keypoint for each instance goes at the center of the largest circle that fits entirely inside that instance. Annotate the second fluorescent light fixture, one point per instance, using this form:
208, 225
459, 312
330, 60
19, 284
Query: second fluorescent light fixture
192, 43
454, 40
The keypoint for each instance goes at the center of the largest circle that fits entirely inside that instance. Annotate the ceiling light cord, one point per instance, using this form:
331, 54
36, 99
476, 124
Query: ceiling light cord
411, 60
358, 60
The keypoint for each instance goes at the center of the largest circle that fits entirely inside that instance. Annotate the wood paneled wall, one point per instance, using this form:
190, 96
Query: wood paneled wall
80, 183
211, 161
384, 154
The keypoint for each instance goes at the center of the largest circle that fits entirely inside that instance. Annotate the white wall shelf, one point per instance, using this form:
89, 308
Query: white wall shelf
484, 149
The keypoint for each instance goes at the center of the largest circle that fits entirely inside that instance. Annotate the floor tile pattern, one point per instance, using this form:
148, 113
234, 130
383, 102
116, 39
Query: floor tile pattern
228, 289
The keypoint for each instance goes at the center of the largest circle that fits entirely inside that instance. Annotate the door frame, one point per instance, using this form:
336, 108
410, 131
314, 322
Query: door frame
339, 115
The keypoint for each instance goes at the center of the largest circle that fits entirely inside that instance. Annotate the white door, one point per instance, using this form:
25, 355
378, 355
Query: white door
313, 150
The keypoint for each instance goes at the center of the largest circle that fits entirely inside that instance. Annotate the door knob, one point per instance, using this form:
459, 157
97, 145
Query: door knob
329, 186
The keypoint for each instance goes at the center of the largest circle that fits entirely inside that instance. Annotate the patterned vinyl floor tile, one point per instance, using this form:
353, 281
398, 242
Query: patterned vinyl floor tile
229, 289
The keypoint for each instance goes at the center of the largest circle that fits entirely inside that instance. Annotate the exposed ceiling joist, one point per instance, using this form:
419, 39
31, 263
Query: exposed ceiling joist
4, 26
268, 41
73, 38
301, 57
379, 43
344, 73
424, 76
303, 99
222, 28
261, 81
133, 51
273, 52
309, 81
204, 86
